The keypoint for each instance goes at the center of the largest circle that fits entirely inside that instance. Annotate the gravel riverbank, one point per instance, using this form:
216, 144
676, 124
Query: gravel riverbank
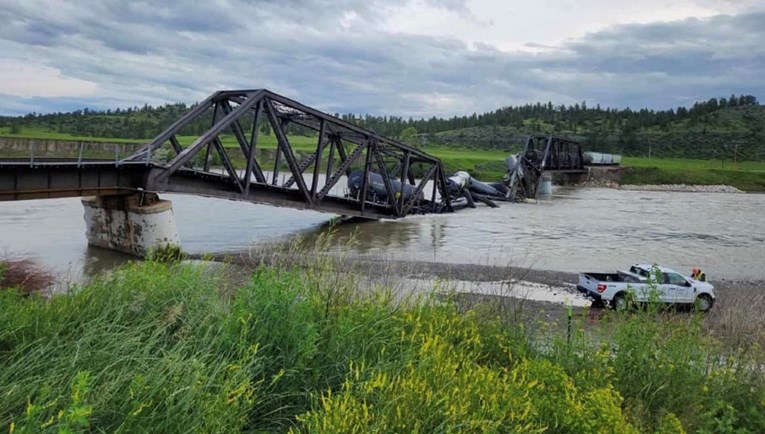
681, 188
540, 286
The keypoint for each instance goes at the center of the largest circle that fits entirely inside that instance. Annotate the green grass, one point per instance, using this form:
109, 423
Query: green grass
298, 143
747, 175
694, 165
487, 165
30, 133
174, 347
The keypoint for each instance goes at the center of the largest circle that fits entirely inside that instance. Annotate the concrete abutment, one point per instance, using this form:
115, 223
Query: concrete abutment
133, 224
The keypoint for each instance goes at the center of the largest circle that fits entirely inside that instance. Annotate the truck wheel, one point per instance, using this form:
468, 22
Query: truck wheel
619, 303
703, 303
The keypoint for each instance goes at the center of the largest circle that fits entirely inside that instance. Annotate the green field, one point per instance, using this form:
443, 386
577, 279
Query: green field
488, 165
694, 165
747, 175
29, 133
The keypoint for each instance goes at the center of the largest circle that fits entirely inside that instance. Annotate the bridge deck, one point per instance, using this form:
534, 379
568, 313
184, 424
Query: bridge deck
59, 178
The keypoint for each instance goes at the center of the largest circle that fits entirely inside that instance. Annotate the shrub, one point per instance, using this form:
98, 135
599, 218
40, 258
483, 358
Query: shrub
23, 274
443, 386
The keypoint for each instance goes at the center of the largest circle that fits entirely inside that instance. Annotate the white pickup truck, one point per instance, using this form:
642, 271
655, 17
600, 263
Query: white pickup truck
640, 281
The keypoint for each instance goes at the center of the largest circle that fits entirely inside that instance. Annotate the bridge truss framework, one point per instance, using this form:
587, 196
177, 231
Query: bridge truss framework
164, 165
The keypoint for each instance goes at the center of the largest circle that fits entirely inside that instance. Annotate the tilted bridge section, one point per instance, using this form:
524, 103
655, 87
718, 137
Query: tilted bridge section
542, 154
165, 165
384, 178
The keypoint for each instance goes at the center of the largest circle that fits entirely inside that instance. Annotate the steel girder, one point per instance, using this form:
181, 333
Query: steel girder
354, 147
49, 178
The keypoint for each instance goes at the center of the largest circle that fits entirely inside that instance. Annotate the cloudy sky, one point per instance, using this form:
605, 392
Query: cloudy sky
404, 57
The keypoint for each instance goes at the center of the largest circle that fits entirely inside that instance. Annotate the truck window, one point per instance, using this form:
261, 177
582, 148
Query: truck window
675, 279
639, 271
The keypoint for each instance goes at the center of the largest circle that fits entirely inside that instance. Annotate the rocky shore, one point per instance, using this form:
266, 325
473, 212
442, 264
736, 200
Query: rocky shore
680, 188
686, 188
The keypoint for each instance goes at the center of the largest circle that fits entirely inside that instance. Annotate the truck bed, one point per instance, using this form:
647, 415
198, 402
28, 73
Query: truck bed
588, 282
612, 277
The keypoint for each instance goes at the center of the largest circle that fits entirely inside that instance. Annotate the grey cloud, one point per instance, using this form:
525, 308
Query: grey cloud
697, 58
459, 6
304, 49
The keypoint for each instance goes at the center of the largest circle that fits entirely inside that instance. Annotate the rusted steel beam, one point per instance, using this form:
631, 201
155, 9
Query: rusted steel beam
332, 180
404, 175
227, 165
319, 152
365, 181
415, 195
209, 135
386, 178
347, 125
252, 163
206, 165
175, 127
284, 145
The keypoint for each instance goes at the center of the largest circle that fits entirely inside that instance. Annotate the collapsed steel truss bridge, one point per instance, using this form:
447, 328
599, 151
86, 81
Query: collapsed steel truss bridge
555, 154
165, 165
541, 154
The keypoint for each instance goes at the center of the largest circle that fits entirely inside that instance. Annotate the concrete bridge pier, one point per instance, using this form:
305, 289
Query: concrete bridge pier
134, 224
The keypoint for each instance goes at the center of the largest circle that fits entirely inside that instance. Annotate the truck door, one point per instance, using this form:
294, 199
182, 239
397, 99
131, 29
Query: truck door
678, 288
654, 292
666, 290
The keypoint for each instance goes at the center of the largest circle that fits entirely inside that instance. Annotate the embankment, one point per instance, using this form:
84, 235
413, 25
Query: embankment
17, 145
667, 179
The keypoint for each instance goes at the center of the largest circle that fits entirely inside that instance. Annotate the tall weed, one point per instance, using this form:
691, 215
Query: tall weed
165, 347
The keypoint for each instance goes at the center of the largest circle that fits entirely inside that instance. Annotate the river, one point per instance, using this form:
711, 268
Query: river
578, 229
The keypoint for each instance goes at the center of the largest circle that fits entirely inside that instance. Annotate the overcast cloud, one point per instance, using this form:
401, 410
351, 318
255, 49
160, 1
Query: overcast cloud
418, 58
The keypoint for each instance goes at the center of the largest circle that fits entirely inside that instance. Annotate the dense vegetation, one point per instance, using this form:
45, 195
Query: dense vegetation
725, 128
175, 348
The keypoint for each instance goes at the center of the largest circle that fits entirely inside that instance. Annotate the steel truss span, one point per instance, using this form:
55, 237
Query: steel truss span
394, 175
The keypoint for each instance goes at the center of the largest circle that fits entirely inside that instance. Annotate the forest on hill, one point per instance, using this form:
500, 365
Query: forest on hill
725, 128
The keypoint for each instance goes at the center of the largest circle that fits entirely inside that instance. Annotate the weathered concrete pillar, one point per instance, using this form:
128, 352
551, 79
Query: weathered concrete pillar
545, 186
132, 224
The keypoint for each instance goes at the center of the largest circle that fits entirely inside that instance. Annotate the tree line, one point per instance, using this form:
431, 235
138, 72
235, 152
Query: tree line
609, 128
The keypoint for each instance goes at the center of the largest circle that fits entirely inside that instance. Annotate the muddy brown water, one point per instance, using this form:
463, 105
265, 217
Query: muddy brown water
578, 229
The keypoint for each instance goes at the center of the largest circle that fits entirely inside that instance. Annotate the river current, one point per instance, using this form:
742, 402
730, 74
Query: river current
579, 229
